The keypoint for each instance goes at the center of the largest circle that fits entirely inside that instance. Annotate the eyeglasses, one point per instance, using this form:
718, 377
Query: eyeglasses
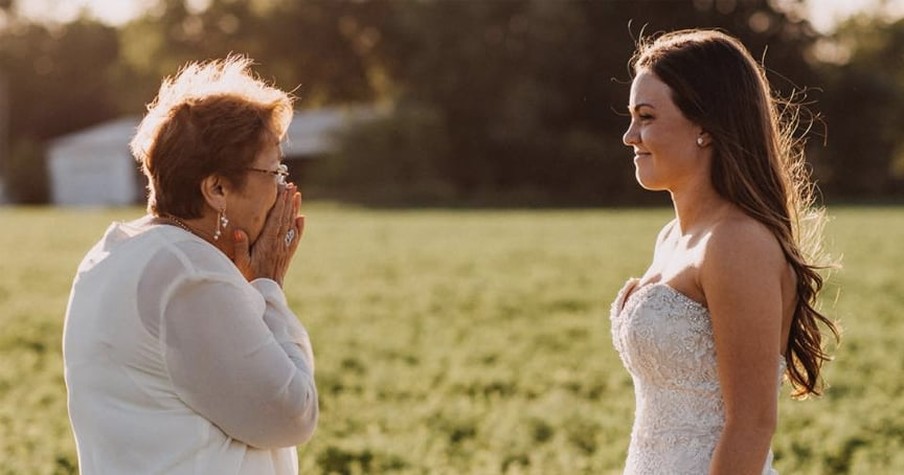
281, 172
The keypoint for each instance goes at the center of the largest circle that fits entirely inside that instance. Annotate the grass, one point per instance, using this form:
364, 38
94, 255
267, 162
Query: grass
459, 342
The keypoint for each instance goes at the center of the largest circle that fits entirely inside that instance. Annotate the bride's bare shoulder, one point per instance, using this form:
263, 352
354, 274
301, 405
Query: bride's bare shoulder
739, 239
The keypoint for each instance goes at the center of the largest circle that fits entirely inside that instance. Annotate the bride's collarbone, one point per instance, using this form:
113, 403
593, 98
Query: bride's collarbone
682, 279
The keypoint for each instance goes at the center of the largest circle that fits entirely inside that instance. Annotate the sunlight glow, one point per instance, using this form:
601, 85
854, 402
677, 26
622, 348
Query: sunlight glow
112, 12
823, 14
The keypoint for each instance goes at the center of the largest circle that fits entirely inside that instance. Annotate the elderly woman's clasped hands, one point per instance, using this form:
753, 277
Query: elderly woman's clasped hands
271, 255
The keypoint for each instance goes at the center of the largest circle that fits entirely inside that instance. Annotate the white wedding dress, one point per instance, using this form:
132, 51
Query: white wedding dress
665, 340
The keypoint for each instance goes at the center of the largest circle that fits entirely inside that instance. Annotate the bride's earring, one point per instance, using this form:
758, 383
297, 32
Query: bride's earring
700, 141
222, 222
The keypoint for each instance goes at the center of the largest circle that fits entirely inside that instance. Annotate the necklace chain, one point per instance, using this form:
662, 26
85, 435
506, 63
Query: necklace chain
178, 222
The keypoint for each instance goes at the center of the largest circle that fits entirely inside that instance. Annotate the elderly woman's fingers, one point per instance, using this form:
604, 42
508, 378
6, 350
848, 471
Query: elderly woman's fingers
274, 227
299, 230
293, 232
289, 211
296, 202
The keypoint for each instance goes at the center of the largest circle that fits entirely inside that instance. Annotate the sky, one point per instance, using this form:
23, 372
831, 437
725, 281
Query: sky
823, 13
114, 12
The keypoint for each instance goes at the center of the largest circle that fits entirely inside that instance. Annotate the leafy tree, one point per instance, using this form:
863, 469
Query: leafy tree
864, 107
531, 92
319, 47
58, 80
496, 97
62, 78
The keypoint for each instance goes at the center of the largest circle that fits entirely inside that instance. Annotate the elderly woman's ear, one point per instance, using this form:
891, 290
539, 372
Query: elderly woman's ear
214, 189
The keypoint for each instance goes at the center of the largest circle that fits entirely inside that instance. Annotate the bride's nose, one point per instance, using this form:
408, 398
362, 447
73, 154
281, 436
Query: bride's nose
631, 136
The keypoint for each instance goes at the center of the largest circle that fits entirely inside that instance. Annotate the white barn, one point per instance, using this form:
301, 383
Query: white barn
94, 167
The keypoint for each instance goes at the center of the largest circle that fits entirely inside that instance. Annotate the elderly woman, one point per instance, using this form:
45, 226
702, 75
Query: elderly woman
181, 354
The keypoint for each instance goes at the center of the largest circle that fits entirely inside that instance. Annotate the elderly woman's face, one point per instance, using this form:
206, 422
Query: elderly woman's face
248, 209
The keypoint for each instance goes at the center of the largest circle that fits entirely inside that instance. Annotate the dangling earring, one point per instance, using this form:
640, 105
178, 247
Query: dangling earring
700, 141
222, 222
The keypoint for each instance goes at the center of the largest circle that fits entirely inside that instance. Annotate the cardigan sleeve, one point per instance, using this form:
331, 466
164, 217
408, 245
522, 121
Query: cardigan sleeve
237, 355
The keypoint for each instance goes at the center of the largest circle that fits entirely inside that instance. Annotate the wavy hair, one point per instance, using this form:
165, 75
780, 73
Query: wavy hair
758, 164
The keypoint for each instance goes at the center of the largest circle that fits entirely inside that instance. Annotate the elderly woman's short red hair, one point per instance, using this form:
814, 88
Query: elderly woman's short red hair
212, 118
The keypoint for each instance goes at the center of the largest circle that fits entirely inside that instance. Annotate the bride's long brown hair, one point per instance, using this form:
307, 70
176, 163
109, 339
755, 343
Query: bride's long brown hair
758, 164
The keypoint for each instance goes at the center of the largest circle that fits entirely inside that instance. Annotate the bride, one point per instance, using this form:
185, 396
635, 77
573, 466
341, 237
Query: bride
727, 306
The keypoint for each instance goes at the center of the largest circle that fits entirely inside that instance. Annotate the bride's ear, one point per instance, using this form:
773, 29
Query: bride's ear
703, 138
214, 189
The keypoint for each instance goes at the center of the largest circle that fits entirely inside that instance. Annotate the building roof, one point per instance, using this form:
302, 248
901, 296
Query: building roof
115, 132
310, 133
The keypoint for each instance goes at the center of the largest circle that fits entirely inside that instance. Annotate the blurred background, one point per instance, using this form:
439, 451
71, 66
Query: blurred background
419, 102
469, 336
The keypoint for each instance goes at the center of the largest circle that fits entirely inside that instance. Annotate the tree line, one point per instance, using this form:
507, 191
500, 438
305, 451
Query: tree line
515, 100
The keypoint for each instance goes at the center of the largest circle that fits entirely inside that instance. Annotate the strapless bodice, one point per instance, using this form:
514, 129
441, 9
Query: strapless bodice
665, 340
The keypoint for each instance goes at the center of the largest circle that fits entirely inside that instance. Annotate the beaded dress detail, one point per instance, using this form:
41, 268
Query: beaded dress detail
665, 340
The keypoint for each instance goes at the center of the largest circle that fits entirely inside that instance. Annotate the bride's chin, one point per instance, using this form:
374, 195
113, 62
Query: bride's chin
652, 187
646, 183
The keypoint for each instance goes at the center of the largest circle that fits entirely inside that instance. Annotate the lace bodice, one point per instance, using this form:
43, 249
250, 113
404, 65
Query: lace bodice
665, 340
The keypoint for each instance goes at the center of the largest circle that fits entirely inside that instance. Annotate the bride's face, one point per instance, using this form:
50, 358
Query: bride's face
666, 152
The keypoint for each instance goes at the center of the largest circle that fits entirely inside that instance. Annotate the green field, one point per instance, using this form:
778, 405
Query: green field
471, 342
